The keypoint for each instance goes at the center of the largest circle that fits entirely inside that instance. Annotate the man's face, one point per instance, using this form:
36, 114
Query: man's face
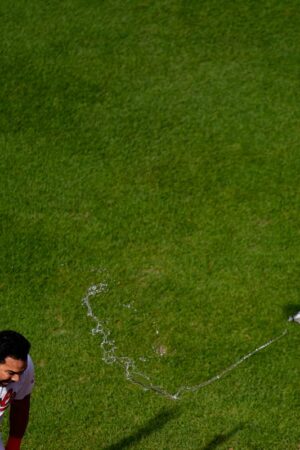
11, 370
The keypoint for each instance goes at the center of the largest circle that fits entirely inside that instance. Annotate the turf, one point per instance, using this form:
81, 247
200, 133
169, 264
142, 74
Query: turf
153, 145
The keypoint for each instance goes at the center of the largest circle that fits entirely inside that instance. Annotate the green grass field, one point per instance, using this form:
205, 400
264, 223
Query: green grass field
153, 145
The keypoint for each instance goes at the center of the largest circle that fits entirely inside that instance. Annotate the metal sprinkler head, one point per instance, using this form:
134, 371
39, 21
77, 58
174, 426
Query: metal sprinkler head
295, 318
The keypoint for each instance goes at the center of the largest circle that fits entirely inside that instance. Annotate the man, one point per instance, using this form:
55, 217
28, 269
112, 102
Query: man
16, 384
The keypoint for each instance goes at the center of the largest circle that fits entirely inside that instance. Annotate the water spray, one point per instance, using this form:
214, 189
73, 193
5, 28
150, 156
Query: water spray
131, 373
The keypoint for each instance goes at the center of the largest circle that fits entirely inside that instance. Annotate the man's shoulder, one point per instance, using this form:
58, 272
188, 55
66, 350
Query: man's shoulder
30, 365
28, 376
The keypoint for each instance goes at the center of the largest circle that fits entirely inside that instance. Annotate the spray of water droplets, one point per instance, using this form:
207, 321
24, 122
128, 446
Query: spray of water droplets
109, 354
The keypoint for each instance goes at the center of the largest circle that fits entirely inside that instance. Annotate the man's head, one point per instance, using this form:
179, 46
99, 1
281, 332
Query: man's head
14, 349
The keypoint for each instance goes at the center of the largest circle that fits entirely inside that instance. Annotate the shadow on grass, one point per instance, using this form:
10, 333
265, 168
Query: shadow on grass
152, 425
290, 309
222, 438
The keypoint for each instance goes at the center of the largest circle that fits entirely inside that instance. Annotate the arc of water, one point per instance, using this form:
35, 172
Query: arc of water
131, 373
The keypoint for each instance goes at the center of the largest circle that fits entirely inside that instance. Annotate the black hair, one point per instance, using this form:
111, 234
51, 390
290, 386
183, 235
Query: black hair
13, 344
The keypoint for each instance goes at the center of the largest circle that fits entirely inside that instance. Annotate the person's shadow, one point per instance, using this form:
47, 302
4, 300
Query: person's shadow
222, 438
154, 424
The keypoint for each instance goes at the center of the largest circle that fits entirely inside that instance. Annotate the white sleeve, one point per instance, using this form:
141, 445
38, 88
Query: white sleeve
26, 382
